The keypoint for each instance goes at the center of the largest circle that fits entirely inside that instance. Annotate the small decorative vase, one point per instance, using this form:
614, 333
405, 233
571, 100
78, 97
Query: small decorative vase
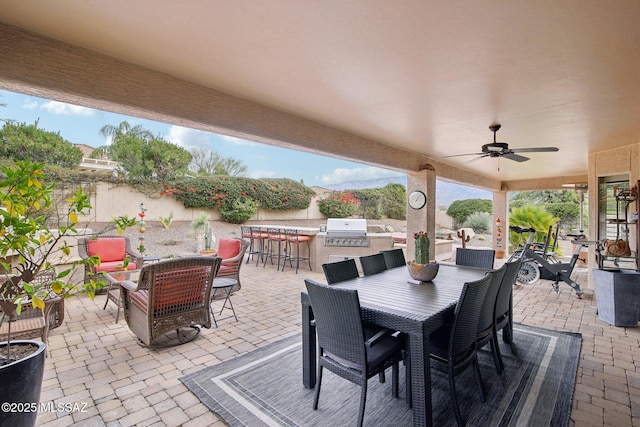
423, 272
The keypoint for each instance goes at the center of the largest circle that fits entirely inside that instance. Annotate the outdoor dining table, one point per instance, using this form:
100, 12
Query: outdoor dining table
388, 299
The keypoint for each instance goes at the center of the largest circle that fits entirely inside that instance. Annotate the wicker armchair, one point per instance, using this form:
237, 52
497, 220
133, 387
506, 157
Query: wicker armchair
32, 323
171, 295
112, 251
232, 252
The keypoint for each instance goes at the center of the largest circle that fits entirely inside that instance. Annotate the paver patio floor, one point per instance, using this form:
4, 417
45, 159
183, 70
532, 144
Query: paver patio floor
97, 364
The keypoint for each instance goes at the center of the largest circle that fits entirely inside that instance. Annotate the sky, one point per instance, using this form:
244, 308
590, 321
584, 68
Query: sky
81, 125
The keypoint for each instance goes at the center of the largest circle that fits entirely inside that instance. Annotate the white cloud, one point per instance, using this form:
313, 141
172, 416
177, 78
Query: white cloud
56, 107
238, 141
356, 174
29, 104
188, 138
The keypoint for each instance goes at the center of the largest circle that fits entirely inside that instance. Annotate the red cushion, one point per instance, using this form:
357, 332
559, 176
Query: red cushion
228, 248
108, 249
114, 266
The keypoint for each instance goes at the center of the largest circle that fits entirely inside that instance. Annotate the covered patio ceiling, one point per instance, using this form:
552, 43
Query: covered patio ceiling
395, 84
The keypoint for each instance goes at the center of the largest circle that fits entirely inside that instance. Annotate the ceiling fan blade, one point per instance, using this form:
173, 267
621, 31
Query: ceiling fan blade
467, 154
534, 150
515, 157
481, 156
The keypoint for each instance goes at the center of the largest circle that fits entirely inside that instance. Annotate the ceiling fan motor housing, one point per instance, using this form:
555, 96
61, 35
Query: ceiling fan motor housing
495, 149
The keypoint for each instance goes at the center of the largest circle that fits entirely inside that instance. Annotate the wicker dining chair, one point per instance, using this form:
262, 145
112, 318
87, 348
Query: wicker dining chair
479, 258
340, 271
504, 305
171, 295
453, 345
486, 324
342, 346
373, 264
394, 258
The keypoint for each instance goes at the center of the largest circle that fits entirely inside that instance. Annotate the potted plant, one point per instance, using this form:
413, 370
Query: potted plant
29, 246
204, 234
421, 269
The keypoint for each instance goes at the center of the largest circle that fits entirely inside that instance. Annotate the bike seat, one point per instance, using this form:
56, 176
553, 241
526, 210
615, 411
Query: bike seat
577, 236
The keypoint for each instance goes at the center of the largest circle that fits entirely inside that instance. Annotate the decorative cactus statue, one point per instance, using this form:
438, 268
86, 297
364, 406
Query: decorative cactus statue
422, 247
465, 239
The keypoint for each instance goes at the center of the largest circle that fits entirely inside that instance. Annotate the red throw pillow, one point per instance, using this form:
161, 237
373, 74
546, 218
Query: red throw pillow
109, 249
228, 248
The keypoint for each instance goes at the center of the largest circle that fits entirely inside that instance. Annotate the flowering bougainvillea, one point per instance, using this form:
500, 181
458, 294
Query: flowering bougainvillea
339, 204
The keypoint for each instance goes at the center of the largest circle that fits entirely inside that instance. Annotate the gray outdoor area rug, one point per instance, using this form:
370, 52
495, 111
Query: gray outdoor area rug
264, 388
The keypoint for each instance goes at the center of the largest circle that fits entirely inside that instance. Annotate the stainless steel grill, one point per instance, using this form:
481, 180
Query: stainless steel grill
347, 232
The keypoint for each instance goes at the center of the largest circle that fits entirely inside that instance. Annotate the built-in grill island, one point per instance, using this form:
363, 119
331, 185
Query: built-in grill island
347, 233
344, 238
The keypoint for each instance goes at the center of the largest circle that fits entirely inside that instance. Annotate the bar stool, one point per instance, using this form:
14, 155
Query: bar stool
256, 239
293, 238
274, 245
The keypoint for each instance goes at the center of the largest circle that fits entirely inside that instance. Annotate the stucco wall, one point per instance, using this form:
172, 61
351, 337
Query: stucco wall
109, 201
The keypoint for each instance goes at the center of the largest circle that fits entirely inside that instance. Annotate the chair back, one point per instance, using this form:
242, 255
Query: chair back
485, 323
503, 300
479, 258
373, 264
232, 251
176, 286
467, 315
394, 258
340, 271
338, 323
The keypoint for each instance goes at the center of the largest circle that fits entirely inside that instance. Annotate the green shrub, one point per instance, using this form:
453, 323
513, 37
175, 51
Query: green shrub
395, 201
480, 222
238, 211
459, 210
340, 204
370, 202
212, 192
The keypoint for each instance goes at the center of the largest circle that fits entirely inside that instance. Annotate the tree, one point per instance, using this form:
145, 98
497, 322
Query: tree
144, 156
21, 141
459, 210
545, 196
207, 162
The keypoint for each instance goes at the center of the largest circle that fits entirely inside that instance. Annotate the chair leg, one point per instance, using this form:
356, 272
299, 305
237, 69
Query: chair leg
318, 384
363, 401
395, 378
476, 368
454, 398
495, 350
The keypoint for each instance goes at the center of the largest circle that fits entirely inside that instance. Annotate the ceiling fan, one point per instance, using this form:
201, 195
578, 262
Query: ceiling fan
501, 149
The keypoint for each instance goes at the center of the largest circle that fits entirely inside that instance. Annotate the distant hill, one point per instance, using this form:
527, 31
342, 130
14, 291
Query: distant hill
446, 192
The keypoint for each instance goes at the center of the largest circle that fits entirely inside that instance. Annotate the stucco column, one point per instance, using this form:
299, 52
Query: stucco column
422, 219
500, 224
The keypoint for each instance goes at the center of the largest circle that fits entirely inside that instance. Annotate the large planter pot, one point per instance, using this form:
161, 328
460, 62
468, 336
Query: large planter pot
21, 385
618, 296
423, 272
